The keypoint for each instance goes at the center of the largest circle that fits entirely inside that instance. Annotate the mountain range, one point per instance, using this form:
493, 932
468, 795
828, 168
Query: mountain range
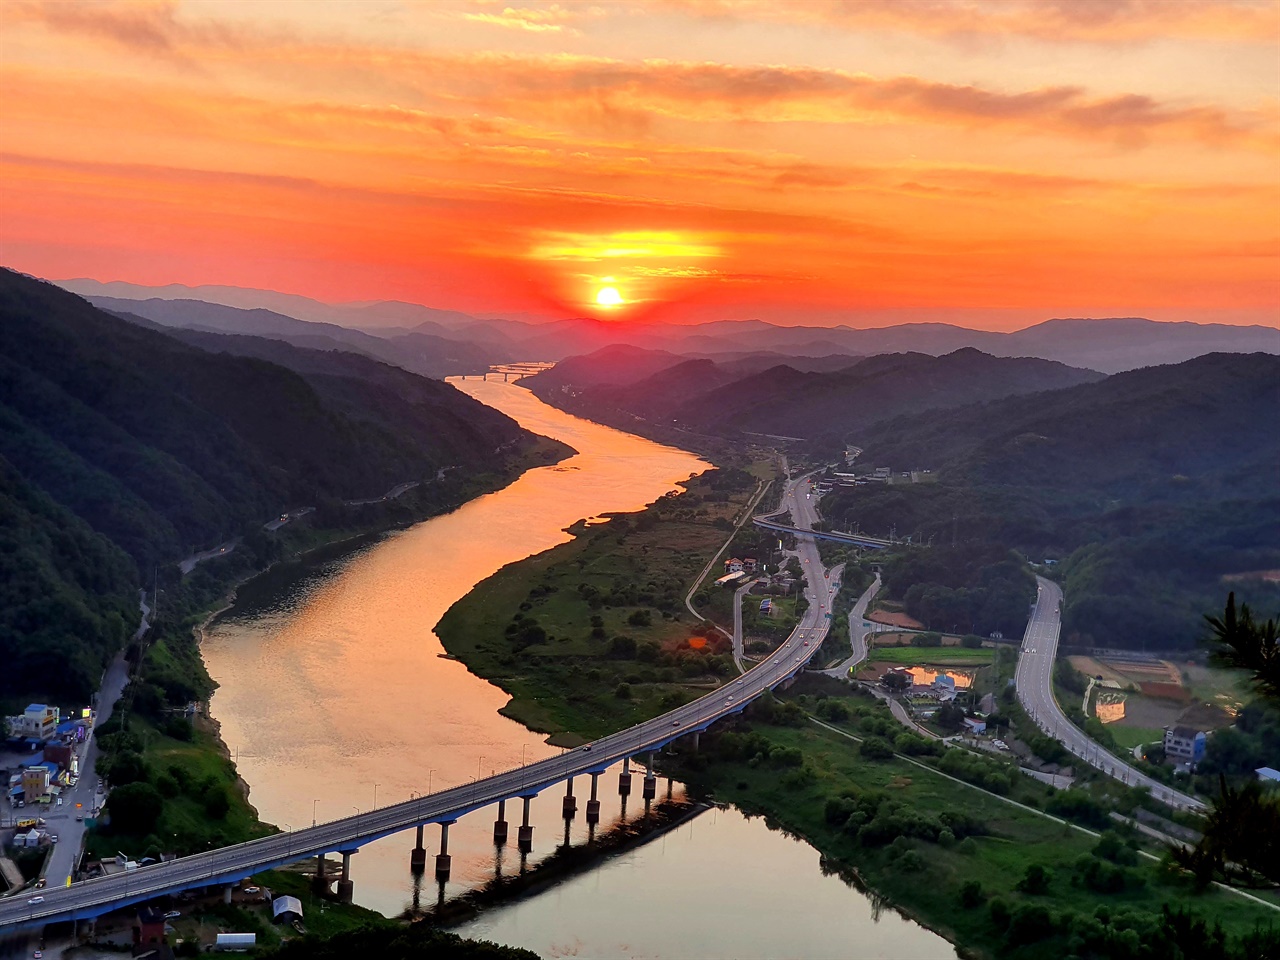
623, 385
1107, 345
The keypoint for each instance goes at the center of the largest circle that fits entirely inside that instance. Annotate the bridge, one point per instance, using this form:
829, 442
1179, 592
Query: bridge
856, 539
228, 865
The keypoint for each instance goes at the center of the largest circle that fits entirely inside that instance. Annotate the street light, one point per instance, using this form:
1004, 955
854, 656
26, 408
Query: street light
375, 796
313, 812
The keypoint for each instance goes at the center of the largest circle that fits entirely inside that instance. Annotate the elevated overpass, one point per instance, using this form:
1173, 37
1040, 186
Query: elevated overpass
855, 539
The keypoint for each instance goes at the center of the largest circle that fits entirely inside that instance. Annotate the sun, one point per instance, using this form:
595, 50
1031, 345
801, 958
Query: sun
609, 297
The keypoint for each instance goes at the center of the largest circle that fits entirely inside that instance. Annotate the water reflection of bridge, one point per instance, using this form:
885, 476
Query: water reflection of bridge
659, 818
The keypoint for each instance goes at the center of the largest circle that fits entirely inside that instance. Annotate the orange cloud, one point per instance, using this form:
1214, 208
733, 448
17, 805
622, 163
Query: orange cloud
1094, 21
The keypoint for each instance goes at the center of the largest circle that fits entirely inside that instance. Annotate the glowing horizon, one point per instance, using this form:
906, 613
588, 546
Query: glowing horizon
980, 163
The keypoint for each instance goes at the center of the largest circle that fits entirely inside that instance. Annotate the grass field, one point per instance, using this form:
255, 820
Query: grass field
1227, 688
594, 635
934, 656
927, 886
1130, 737
197, 768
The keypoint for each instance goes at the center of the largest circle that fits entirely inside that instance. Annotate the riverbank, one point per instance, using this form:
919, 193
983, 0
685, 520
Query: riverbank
594, 635
944, 845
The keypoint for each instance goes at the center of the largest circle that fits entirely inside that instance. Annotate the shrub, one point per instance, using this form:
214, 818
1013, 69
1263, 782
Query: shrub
640, 618
134, 808
622, 691
216, 803
1035, 881
873, 748
1028, 923
999, 911
971, 894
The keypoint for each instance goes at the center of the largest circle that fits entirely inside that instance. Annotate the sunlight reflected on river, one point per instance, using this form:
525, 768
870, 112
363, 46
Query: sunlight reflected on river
332, 691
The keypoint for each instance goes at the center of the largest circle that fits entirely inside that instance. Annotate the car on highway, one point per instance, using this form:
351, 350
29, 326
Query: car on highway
675, 723
38, 955
36, 900
53, 838
806, 643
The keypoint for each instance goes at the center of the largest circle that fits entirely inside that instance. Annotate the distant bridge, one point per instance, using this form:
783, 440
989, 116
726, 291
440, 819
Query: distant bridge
855, 539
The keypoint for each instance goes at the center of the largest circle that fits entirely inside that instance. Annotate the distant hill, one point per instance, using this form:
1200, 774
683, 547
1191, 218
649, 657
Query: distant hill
122, 447
711, 398
615, 365
423, 353
1151, 487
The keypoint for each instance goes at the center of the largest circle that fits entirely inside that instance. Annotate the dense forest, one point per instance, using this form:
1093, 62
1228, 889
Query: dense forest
1148, 529
123, 448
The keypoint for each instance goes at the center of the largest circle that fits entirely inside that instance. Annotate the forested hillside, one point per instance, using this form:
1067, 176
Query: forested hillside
721, 399
1151, 487
122, 447
827, 406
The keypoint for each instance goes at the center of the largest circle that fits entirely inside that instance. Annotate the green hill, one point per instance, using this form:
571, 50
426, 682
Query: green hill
1151, 486
122, 447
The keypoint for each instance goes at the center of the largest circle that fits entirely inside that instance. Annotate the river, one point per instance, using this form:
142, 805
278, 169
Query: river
333, 697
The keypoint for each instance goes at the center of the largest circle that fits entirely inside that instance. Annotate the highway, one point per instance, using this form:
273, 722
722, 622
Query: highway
1034, 681
91, 898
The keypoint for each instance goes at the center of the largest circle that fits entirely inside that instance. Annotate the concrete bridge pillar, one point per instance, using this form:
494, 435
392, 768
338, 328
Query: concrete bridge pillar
570, 806
668, 788
321, 880
525, 837
418, 858
226, 893
346, 888
593, 805
500, 825
624, 778
697, 740
649, 789
444, 862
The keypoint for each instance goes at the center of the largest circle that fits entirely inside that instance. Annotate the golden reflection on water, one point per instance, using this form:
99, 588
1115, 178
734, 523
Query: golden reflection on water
923, 676
1109, 707
340, 695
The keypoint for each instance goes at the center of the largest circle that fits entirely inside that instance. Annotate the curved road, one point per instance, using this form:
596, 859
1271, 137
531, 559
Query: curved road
1034, 681
101, 895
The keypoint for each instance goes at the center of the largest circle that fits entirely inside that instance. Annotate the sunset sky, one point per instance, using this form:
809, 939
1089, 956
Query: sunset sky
985, 163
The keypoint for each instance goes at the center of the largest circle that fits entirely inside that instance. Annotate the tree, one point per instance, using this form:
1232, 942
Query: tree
1035, 880
623, 691
1241, 643
134, 808
216, 803
1241, 841
874, 748
896, 681
971, 894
